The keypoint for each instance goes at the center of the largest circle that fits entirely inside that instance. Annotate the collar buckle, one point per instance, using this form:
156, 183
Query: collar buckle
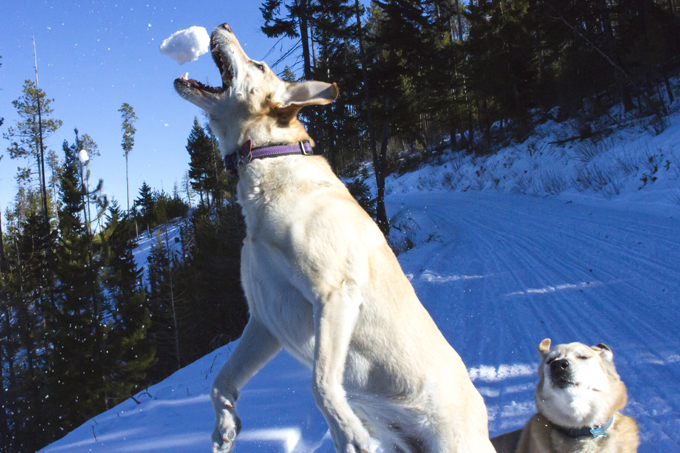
306, 148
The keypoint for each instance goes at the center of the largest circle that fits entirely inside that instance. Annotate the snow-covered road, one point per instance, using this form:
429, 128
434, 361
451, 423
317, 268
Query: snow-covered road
498, 273
507, 271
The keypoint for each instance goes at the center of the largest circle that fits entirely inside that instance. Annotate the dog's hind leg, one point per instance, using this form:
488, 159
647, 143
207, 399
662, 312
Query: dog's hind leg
255, 348
335, 316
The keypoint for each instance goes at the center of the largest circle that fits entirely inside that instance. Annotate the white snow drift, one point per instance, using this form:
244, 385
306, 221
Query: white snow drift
186, 45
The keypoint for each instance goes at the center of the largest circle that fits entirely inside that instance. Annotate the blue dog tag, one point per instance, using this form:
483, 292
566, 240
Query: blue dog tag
598, 432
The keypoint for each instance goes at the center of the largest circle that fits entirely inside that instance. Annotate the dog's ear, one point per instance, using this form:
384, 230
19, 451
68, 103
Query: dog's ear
544, 348
604, 351
306, 93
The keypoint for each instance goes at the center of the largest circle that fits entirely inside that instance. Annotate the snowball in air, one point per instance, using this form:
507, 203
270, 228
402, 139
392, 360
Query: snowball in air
82, 156
186, 45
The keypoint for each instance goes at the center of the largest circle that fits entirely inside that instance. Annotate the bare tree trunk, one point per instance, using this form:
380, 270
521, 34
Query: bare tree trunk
452, 129
381, 213
172, 302
40, 149
304, 36
378, 167
4, 425
2, 249
459, 18
311, 40
608, 32
669, 91
127, 182
471, 130
11, 378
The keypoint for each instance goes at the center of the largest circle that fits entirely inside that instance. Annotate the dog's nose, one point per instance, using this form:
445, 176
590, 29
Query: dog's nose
226, 26
559, 366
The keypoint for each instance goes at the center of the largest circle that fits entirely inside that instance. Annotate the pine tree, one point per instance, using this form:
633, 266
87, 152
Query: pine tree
187, 189
129, 118
336, 124
77, 323
164, 309
24, 297
209, 276
202, 161
28, 136
55, 174
399, 54
147, 203
218, 180
501, 68
128, 341
288, 75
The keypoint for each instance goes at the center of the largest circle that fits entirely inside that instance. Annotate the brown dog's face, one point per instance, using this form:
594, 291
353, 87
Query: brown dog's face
579, 385
252, 103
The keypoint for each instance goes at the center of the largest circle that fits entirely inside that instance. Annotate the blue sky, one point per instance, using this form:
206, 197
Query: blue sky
95, 55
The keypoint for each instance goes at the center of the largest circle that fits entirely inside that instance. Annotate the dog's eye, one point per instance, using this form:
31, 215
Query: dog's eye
582, 357
259, 66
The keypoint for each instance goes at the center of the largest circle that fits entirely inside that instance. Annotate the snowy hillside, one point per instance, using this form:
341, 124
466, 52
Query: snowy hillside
594, 257
168, 234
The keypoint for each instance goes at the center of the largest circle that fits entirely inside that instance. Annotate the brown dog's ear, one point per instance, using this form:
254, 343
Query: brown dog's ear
544, 348
307, 93
604, 351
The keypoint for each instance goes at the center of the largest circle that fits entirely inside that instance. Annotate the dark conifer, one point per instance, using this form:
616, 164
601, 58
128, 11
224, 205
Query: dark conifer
79, 321
145, 207
202, 162
128, 341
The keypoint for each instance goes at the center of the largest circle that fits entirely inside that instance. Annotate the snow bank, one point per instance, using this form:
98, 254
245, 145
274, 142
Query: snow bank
186, 45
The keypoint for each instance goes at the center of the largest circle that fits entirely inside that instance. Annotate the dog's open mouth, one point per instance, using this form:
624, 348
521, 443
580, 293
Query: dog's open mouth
222, 62
195, 84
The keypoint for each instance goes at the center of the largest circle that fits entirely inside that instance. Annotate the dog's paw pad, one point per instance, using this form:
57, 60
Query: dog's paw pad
221, 448
229, 435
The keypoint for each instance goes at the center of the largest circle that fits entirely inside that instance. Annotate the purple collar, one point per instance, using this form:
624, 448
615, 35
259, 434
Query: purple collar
247, 153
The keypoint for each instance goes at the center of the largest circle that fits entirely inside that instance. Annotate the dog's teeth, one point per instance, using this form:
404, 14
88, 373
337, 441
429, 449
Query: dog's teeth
185, 76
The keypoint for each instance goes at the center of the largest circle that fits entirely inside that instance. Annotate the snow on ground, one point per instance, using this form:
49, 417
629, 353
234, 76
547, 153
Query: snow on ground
186, 45
498, 270
640, 161
168, 234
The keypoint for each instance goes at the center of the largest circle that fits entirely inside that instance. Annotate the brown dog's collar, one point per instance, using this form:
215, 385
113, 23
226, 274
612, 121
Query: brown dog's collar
246, 153
594, 431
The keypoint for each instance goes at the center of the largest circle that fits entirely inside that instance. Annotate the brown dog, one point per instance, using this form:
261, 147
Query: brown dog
578, 398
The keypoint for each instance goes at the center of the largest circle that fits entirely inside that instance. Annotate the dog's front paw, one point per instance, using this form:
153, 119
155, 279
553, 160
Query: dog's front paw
227, 423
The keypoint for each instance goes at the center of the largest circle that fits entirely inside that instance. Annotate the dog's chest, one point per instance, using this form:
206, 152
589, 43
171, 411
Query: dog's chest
277, 303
